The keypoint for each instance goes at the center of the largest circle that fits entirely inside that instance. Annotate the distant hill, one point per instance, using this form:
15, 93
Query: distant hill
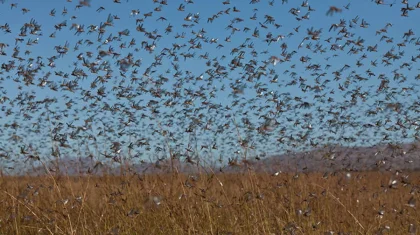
332, 158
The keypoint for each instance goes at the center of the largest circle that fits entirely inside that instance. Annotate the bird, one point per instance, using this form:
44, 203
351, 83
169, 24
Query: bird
234, 80
333, 10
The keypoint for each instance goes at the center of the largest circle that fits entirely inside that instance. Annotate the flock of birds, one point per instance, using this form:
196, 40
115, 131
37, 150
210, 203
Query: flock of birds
202, 82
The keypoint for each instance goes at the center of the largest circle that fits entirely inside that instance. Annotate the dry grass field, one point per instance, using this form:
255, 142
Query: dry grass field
240, 203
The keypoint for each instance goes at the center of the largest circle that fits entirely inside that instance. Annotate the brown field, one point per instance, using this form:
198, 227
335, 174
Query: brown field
240, 203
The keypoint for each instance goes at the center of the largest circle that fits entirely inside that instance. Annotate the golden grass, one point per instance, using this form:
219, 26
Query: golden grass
240, 203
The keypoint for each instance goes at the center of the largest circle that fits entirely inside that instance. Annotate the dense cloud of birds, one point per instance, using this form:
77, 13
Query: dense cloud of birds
222, 81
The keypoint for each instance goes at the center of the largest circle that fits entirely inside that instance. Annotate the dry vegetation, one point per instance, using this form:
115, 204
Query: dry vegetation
240, 203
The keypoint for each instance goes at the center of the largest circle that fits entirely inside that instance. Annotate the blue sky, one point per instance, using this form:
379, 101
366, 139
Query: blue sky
376, 15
